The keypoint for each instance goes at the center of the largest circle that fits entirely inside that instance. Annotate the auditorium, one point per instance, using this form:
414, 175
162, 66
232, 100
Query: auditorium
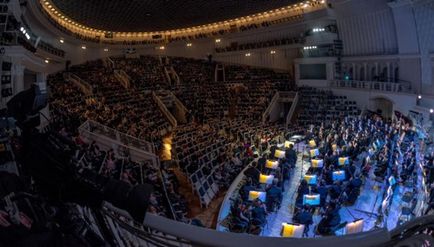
217, 123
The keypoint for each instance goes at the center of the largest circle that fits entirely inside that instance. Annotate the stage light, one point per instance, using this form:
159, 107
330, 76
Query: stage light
106, 49
46, 61
161, 47
248, 54
272, 52
189, 44
61, 41
431, 110
218, 40
83, 47
419, 96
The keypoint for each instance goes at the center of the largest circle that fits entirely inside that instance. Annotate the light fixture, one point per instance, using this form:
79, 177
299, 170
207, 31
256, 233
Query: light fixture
317, 30
273, 52
161, 47
105, 49
419, 96
46, 61
431, 110
248, 54
309, 47
83, 47
62, 41
189, 44
218, 40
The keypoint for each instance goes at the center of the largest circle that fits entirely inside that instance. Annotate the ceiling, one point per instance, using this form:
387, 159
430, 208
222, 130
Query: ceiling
159, 15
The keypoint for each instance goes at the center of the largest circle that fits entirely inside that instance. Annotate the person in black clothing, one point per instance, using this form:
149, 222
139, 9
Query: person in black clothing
253, 173
304, 217
259, 213
291, 156
274, 195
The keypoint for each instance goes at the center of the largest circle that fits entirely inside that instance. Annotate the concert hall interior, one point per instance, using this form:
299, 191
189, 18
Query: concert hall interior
217, 123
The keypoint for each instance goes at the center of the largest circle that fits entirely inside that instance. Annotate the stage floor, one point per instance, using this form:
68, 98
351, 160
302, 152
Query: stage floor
366, 207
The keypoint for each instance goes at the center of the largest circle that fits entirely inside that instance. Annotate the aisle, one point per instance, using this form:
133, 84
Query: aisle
366, 206
285, 213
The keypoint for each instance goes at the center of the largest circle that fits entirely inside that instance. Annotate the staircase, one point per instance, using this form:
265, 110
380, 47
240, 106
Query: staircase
290, 117
158, 98
123, 78
171, 75
280, 104
173, 105
83, 85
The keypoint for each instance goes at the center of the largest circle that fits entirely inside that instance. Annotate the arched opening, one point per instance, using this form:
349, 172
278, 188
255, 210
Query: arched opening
382, 106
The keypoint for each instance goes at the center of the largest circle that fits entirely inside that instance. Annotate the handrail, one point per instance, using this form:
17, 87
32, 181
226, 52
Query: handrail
372, 85
85, 87
272, 103
179, 103
164, 110
226, 204
292, 110
180, 234
207, 237
123, 78
126, 139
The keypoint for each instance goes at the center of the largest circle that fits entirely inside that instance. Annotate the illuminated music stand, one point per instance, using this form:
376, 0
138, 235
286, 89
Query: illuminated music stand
292, 230
338, 175
343, 161
317, 163
272, 164
310, 179
311, 200
354, 227
266, 179
253, 195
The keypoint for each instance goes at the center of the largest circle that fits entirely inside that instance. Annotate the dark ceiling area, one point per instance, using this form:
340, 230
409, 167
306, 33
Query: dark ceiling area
160, 15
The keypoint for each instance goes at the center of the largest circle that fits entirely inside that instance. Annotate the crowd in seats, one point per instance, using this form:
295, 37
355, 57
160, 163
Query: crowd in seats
118, 165
133, 112
145, 72
192, 71
240, 72
262, 44
318, 106
213, 154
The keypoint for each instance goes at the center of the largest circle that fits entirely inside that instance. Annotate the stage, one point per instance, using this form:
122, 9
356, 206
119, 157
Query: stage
367, 206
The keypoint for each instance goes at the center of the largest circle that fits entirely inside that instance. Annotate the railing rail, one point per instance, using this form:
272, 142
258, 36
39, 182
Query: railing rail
164, 110
270, 106
127, 140
123, 78
85, 87
292, 110
393, 87
178, 103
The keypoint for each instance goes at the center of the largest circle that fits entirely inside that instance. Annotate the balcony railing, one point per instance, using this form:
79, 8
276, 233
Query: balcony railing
160, 231
393, 87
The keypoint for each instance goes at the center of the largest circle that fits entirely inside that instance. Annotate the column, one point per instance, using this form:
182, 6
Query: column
17, 73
